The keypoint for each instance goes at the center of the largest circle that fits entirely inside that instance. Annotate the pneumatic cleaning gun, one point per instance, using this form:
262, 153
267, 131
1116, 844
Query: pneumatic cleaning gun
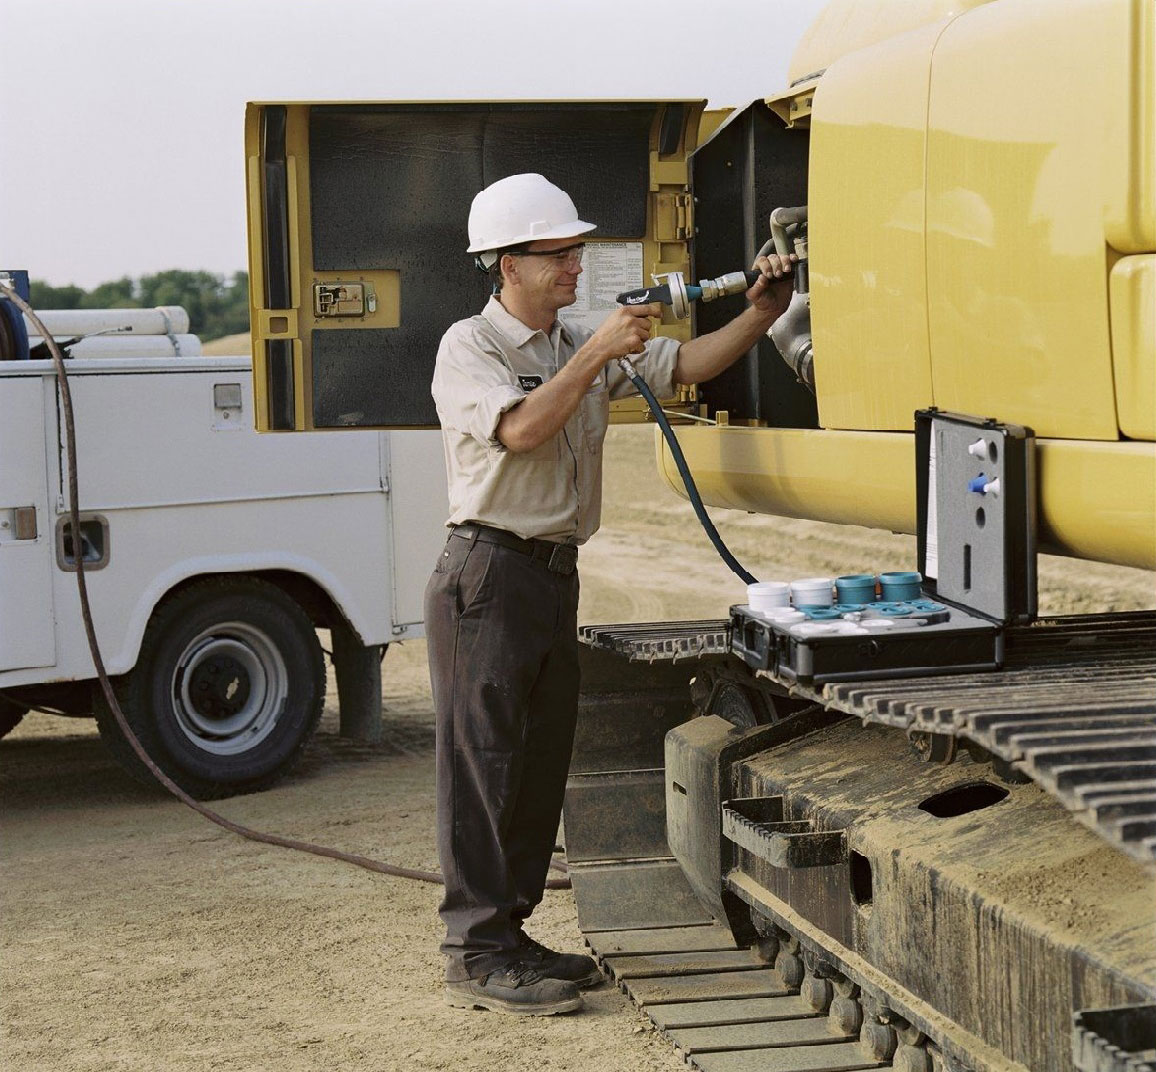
791, 332
678, 294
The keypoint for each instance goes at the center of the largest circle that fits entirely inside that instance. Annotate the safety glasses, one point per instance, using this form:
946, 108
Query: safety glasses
568, 257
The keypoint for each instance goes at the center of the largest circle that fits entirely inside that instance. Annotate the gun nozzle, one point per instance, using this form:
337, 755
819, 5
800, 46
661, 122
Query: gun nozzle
731, 283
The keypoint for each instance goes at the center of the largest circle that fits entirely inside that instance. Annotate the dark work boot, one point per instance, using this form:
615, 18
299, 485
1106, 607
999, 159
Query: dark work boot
519, 988
573, 967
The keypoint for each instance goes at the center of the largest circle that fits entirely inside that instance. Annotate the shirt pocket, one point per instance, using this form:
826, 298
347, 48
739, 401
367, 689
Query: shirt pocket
595, 415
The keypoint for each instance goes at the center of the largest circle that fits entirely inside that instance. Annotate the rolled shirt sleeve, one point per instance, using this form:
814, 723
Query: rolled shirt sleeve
473, 385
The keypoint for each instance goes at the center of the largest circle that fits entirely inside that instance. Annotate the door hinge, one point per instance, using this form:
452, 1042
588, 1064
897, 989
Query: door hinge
673, 217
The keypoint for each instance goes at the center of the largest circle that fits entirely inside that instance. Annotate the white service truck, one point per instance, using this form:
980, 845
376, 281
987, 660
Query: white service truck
212, 555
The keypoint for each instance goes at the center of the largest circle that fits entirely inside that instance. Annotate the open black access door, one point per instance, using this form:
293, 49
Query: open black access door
752, 165
357, 234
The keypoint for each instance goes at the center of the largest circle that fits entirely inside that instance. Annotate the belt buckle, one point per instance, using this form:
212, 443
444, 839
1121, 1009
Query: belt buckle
563, 558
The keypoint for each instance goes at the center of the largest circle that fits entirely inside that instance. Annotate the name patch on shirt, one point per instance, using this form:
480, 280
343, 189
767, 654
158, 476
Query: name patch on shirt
528, 383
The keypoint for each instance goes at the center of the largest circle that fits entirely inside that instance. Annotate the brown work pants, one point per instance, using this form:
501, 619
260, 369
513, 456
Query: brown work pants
503, 655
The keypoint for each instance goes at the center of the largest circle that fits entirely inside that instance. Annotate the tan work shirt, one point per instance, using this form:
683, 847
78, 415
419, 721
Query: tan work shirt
485, 366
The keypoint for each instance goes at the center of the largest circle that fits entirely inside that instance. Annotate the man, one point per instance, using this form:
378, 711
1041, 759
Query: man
523, 402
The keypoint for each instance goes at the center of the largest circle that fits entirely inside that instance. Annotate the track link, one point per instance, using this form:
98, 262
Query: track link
802, 994
759, 1009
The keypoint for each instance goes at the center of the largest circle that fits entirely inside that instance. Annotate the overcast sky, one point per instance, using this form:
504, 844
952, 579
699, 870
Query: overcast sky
122, 145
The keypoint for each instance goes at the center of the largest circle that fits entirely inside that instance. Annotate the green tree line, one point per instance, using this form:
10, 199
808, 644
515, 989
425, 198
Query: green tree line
217, 304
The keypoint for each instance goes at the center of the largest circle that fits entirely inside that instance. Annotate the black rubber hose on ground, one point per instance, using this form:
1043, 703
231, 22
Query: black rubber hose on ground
106, 685
684, 471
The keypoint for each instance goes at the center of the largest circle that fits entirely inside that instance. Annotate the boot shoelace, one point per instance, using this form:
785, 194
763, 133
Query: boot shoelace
522, 974
535, 950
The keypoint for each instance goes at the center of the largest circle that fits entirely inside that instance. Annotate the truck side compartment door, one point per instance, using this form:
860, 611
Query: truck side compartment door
27, 622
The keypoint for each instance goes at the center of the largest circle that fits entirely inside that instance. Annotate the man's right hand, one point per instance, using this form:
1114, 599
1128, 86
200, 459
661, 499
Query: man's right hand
546, 409
625, 331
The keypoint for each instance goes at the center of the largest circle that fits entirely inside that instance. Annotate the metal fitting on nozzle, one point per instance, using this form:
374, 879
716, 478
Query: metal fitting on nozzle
678, 293
731, 283
627, 367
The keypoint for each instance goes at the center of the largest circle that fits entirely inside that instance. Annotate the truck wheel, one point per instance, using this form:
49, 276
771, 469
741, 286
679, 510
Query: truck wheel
226, 692
10, 716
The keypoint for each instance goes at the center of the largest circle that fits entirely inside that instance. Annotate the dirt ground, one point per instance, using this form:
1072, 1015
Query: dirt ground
138, 936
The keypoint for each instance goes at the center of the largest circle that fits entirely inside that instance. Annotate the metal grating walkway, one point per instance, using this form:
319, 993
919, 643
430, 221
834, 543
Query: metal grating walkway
660, 641
1074, 708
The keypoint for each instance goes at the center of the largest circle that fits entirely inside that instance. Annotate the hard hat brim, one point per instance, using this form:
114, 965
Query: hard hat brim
564, 230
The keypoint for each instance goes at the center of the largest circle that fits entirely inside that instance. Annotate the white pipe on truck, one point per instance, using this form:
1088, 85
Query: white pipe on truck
67, 323
182, 345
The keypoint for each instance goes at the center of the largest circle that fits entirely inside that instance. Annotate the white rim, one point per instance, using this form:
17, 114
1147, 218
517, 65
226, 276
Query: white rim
229, 688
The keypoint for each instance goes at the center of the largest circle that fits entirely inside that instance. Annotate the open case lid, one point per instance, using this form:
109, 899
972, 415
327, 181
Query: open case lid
976, 513
357, 234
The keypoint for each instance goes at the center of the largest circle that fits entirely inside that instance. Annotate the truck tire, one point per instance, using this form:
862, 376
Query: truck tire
10, 715
227, 690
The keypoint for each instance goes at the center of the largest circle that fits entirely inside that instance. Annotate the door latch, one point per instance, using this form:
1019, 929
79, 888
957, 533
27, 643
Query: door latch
228, 402
343, 299
18, 523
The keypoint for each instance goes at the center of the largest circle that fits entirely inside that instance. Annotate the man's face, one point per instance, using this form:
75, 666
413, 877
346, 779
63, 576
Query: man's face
549, 280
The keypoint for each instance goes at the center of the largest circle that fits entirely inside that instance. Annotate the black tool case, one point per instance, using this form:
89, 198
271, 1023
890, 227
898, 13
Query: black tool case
977, 555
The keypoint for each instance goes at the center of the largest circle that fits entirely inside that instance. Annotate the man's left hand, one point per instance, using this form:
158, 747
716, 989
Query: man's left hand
771, 293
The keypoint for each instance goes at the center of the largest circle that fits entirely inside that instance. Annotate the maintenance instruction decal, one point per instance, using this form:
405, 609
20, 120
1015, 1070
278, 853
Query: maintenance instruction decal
608, 269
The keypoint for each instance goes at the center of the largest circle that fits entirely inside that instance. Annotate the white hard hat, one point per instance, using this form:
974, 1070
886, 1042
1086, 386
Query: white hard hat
522, 208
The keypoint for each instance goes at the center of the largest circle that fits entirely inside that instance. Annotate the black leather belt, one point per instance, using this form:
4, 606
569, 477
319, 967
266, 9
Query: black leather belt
557, 557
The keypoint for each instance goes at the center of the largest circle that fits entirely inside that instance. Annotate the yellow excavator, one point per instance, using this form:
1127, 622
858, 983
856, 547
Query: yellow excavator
828, 840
